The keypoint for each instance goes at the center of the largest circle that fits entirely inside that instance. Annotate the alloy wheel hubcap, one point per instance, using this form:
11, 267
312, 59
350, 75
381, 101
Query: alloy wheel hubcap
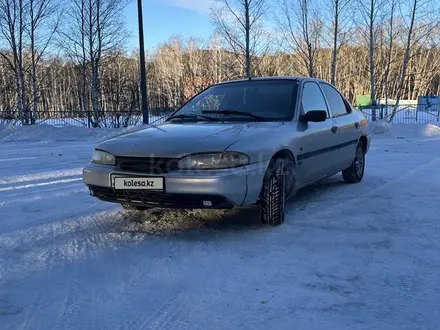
359, 162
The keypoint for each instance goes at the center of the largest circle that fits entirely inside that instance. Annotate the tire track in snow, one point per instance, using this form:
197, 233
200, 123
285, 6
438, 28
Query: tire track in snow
159, 318
40, 184
159, 315
70, 304
170, 311
173, 317
41, 176
358, 191
17, 159
78, 145
58, 244
374, 191
43, 194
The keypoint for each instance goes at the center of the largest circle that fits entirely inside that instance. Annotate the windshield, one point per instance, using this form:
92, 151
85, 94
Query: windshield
272, 100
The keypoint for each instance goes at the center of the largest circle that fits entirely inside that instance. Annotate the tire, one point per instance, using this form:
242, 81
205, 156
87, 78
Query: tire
355, 172
273, 194
135, 208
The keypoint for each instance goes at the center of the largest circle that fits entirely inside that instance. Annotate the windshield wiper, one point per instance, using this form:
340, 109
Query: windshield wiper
184, 116
235, 112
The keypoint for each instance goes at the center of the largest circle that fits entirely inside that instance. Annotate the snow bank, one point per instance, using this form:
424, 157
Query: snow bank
379, 127
415, 130
44, 132
385, 129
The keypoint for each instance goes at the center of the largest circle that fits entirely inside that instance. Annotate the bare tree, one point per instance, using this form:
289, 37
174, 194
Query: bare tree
240, 23
169, 65
420, 23
301, 31
371, 13
12, 29
43, 23
96, 28
339, 28
391, 35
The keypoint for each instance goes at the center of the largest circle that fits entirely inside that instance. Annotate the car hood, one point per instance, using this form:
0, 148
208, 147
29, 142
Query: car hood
177, 140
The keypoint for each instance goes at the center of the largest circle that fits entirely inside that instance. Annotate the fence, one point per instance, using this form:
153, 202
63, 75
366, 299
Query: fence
408, 114
405, 114
111, 119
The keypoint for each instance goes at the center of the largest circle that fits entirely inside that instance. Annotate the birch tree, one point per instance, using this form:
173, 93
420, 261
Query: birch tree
339, 11
96, 28
240, 24
43, 20
420, 22
391, 32
301, 31
12, 29
371, 13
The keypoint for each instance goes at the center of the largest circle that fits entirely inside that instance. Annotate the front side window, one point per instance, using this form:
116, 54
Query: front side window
335, 100
312, 98
272, 100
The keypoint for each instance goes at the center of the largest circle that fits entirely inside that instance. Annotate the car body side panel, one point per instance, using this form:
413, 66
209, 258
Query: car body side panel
317, 154
347, 137
318, 145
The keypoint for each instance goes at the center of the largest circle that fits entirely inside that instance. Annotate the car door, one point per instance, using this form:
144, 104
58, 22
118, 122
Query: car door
317, 153
348, 130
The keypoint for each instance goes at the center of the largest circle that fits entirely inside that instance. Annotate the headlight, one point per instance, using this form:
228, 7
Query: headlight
212, 161
103, 158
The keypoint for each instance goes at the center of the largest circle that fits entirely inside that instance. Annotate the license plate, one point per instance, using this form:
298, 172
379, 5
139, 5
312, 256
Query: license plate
137, 183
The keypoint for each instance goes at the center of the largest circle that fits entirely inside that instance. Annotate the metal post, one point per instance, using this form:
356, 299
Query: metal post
144, 101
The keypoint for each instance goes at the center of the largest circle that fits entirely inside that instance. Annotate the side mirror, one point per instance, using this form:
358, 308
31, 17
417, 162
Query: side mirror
314, 116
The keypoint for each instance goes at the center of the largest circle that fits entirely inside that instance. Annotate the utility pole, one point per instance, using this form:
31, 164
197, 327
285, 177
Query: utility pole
144, 101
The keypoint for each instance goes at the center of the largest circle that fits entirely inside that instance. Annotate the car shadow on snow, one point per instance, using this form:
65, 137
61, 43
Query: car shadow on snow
177, 222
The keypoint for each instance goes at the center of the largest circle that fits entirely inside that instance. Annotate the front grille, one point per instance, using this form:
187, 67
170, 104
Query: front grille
159, 199
152, 165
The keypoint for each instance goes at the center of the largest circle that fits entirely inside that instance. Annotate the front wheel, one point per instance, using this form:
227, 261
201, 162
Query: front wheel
355, 172
273, 194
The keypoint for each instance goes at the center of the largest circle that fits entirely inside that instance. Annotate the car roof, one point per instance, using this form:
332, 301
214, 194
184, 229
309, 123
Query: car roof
296, 78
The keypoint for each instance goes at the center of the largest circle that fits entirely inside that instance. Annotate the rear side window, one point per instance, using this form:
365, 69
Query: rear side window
312, 98
335, 100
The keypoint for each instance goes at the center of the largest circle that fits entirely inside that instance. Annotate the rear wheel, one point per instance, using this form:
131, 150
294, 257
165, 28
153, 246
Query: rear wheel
277, 185
355, 172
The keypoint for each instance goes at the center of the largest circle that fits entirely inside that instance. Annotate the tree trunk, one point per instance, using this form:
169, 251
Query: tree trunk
85, 103
335, 43
405, 60
372, 49
248, 31
34, 114
95, 92
389, 55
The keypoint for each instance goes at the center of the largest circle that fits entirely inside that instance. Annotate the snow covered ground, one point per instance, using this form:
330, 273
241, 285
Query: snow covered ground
362, 256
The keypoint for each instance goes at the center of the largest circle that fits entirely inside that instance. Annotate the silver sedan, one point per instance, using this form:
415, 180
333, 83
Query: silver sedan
237, 143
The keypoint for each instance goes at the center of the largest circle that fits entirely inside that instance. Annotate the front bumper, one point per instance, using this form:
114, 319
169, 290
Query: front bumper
183, 189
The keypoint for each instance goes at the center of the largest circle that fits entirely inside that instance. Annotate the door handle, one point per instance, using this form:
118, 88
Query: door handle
334, 129
356, 124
